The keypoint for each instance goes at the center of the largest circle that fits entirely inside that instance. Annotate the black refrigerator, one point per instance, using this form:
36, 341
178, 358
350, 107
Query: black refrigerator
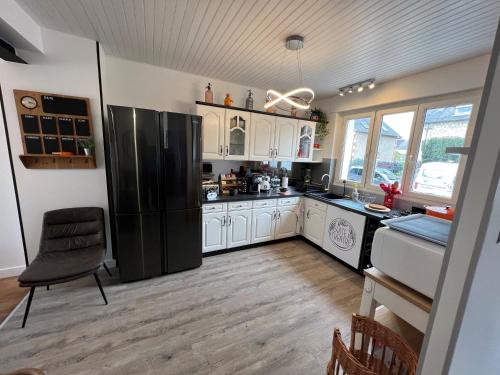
155, 172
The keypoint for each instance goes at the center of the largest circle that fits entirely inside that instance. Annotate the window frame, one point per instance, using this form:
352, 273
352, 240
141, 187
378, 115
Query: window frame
345, 120
416, 133
417, 138
376, 137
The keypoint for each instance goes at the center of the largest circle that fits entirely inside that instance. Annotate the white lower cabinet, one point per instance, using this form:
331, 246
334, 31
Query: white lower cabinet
214, 231
239, 228
286, 222
314, 221
263, 223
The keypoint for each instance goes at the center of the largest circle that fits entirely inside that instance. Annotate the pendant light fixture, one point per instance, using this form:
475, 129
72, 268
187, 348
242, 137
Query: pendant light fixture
300, 98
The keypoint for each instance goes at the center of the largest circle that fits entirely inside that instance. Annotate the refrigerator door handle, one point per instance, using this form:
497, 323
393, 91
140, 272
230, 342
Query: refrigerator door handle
165, 132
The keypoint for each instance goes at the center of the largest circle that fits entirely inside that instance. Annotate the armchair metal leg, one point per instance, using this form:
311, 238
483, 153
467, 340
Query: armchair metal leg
100, 287
48, 287
107, 269
28, 305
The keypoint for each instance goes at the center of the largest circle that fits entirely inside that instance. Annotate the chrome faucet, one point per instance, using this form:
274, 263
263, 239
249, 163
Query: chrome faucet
328, 185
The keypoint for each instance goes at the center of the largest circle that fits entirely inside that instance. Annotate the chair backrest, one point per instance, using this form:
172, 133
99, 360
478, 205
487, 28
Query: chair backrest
380, 349
72, 228
343, 362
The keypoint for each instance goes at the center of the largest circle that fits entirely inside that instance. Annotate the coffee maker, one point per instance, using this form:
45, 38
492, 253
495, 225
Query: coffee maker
253, 183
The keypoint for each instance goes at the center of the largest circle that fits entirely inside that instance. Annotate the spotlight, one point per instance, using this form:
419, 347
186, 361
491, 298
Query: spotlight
349, 90
371, 85
360, 88
341, 93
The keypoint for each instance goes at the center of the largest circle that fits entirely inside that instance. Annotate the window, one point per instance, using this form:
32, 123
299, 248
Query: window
394, 130
408, 145
436, 171
357, 135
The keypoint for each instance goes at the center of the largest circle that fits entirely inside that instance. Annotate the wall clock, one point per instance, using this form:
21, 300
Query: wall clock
28, 102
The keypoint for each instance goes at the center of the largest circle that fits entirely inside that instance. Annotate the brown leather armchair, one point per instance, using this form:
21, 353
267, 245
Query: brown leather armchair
73, 245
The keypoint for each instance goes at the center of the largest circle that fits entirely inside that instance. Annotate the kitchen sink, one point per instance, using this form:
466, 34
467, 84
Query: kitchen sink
325, 195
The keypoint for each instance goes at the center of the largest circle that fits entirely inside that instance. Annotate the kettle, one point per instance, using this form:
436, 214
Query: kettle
265, 184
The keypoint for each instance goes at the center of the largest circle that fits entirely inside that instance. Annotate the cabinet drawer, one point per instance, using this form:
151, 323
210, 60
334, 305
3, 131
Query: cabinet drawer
264, 203
214, 207
311, 203
235, 206
288, 201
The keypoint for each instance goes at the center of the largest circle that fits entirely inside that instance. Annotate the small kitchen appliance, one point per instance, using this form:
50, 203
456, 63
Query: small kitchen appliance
253, 183
265, 184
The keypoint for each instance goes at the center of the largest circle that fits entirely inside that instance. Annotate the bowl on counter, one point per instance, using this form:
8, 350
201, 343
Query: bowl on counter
366, 198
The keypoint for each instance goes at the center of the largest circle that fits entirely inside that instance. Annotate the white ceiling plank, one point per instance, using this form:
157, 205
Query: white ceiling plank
243, 40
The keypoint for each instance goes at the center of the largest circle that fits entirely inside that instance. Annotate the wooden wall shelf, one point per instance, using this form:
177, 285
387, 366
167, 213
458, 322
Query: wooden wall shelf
58, 162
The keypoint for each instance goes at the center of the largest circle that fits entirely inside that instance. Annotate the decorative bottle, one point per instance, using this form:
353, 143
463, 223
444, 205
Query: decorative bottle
209, 94
249, 101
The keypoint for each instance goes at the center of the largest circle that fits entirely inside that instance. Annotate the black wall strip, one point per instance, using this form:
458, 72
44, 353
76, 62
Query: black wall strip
7, 139
106, 156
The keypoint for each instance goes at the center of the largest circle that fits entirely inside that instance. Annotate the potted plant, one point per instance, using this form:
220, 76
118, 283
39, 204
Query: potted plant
87, 145
321, 123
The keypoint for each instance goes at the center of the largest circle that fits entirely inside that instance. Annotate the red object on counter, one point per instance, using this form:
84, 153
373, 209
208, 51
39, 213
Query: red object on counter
446, 212
390, 191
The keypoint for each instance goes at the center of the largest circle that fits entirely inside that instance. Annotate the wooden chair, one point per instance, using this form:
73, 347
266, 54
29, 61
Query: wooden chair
379, 351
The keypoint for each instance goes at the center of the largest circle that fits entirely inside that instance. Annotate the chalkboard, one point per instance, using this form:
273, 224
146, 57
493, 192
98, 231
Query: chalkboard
51, 144
30, 124
64, 105
48, 125
68, 144
65, 126
33, 144
82, 127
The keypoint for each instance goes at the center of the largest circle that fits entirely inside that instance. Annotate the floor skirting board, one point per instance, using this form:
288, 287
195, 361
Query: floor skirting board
11, 271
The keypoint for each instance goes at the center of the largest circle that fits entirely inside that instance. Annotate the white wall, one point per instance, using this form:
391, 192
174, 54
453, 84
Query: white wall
69, 66
465, 75
11, 245
135, 84
467, 296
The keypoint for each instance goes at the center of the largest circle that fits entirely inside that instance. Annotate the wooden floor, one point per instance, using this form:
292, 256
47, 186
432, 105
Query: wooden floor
266, 310
10, 295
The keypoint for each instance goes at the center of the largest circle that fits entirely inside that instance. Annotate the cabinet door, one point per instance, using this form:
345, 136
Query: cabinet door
314, 223
237, 135
284, 139
239, 227
305, 140
286, 222
343, 234
212, 131
263, 222
262, 137
214, 232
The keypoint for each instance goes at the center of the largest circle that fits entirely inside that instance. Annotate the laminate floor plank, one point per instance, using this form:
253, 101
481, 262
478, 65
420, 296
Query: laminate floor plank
265, 310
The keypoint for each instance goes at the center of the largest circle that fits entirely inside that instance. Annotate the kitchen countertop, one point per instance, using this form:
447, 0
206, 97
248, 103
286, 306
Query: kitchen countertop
291, 192
347, 204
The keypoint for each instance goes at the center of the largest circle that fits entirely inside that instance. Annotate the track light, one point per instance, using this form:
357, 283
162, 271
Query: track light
358, 86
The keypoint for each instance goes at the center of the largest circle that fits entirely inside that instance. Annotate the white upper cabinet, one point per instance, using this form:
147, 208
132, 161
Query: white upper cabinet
212, 131
262, 137
237, 135
284, 139
305, 140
